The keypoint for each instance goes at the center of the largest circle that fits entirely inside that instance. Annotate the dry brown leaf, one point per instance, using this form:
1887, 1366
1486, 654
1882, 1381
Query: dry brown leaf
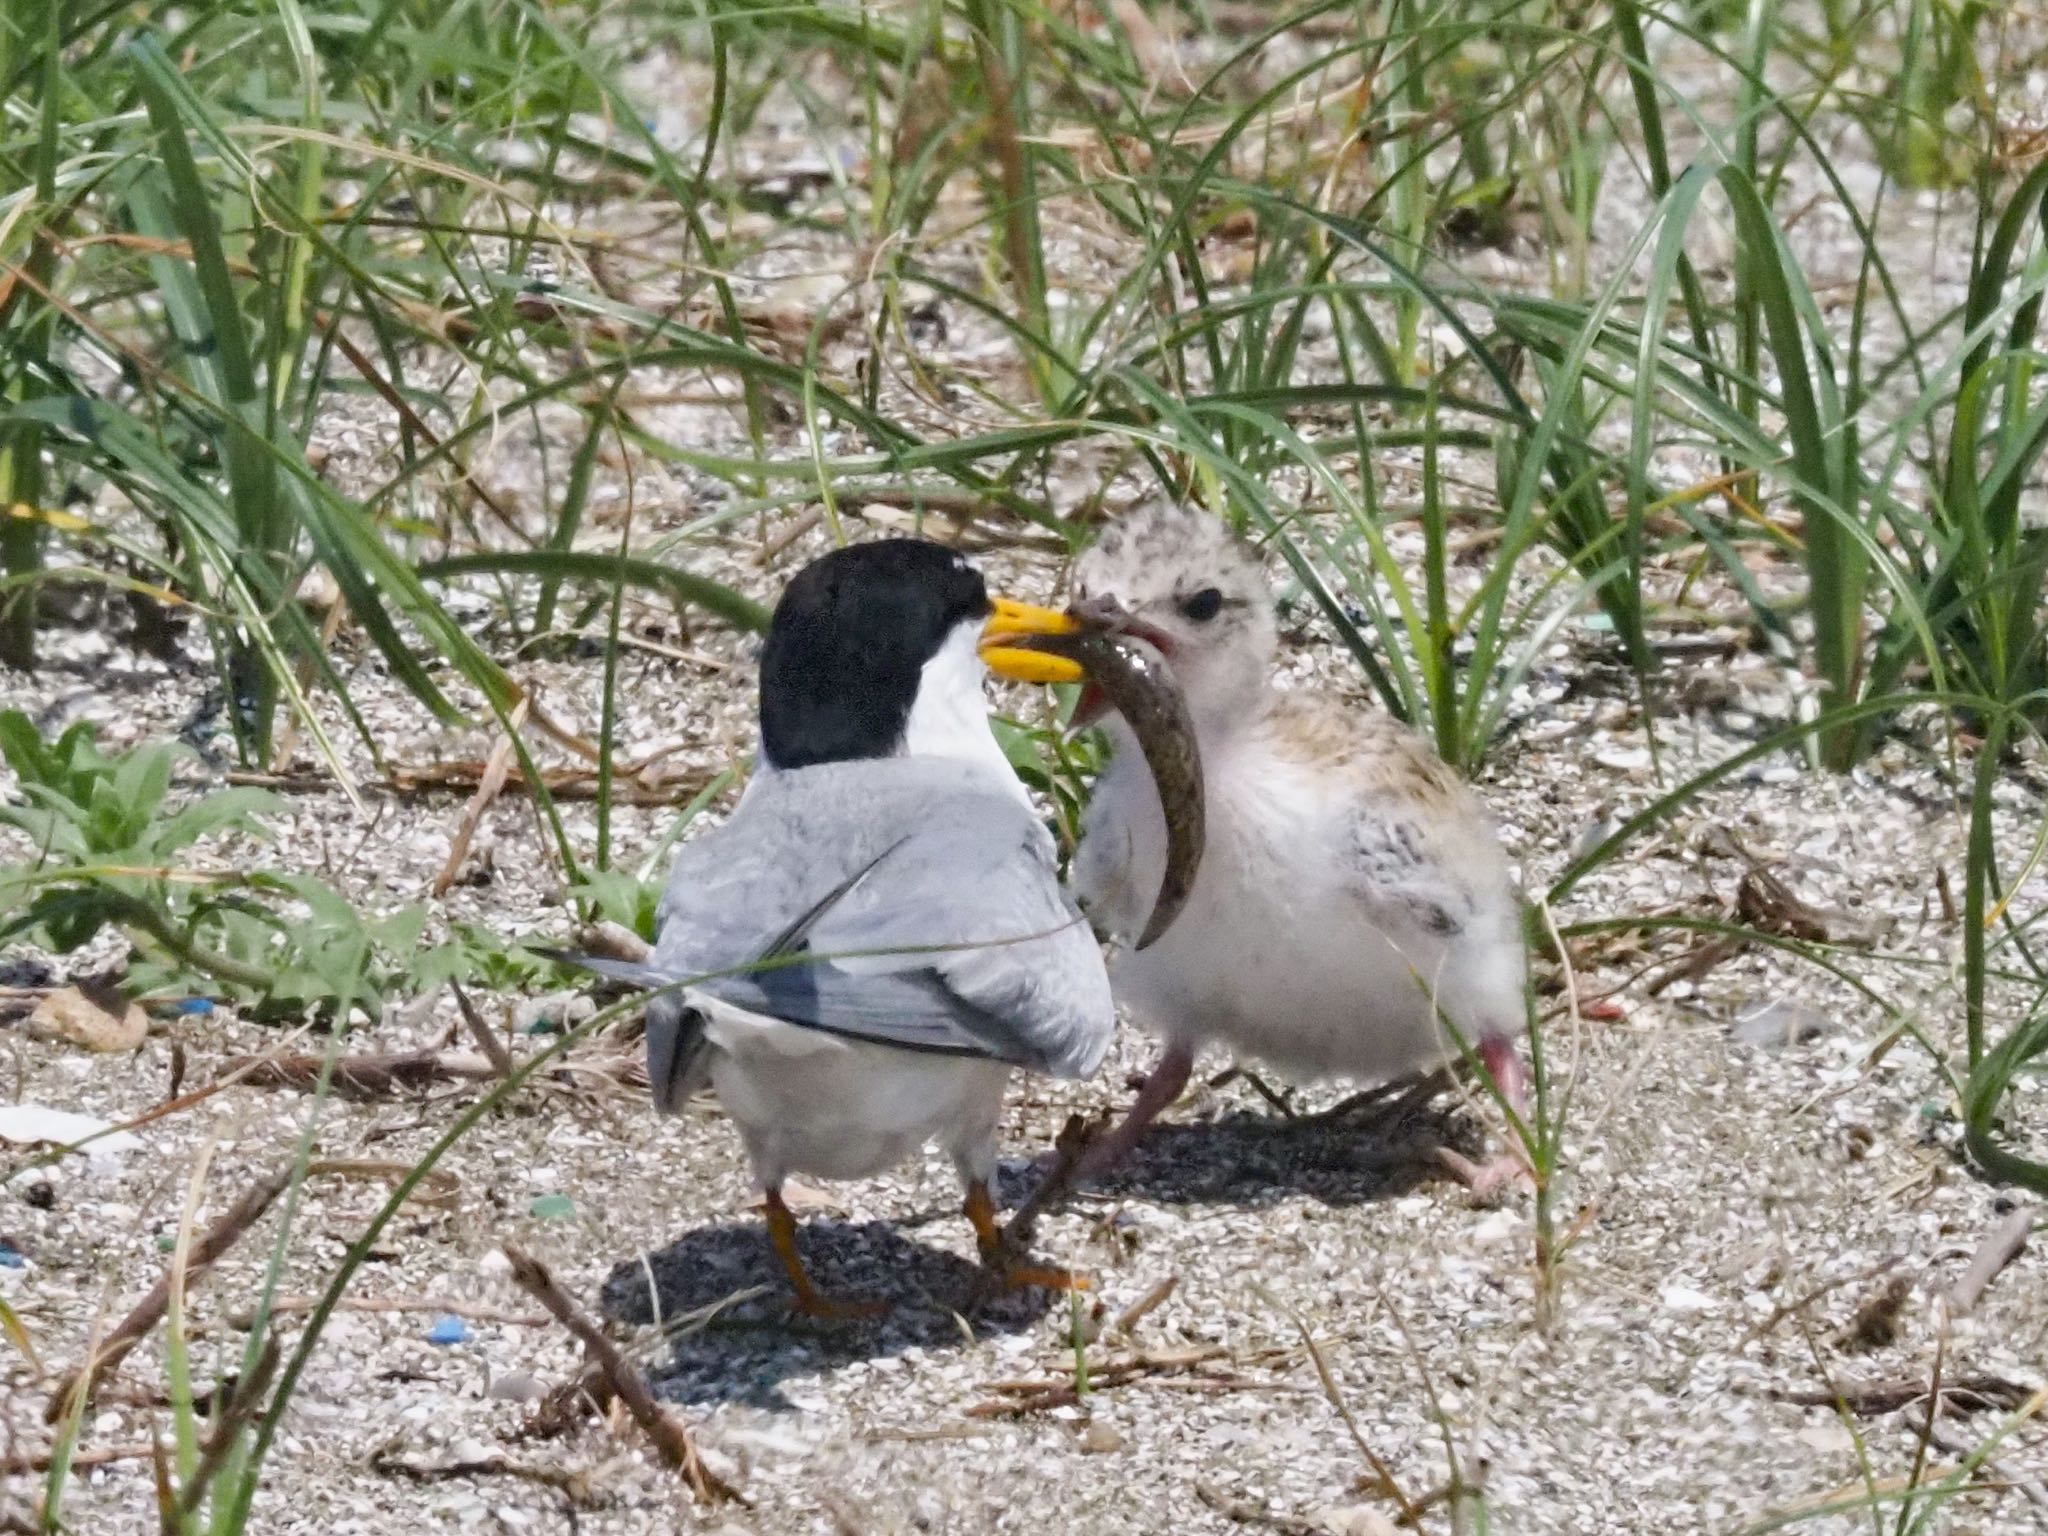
100, 1019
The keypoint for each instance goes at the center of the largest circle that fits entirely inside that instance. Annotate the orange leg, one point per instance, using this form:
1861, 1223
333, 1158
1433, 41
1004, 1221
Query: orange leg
988, 1237
809, 1300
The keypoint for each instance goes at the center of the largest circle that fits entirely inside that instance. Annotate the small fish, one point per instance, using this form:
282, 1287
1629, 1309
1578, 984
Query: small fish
1139, 685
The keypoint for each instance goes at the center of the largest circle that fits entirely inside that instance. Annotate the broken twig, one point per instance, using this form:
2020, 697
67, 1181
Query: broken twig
145, 1315
669, 1437
1999, 1249
1978, 1393
93, 1456
1072, 1143
489, 784
493, 1044
577, 1488
1145, 1305
1183, 1370
203, 1255
371, 1075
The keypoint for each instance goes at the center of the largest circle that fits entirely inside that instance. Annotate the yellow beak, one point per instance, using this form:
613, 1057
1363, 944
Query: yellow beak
1009, 620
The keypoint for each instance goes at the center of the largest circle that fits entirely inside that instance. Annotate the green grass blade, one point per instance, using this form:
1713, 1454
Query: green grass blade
681, 587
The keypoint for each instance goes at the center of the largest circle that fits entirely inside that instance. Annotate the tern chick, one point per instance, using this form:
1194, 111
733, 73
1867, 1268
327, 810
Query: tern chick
1353, 894
877, 935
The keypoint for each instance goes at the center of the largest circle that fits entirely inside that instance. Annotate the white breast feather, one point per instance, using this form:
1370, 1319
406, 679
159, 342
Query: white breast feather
949, 718
1276, 955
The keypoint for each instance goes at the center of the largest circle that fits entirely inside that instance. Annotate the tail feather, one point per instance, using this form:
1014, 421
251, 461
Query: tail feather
633, 972
676, 1064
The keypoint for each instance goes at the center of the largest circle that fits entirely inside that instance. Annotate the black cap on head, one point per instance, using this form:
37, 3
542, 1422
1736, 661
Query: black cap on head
848, 643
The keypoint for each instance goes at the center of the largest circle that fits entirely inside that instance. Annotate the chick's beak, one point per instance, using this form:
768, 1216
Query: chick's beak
1009, 622
1100, 615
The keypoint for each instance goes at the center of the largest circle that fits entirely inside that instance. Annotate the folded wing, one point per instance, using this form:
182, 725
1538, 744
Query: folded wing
906, 903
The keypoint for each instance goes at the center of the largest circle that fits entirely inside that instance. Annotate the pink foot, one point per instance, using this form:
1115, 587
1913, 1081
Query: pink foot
1504, 1065
1161, 1088
1489, 1178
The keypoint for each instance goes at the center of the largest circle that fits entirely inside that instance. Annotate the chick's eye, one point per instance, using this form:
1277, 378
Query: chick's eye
1203, 606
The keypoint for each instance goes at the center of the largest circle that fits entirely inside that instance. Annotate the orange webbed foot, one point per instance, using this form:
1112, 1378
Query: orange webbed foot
1004, 1270
809, 1301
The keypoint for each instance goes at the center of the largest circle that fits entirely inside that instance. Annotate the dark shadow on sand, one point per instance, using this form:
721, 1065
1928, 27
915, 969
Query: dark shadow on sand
745, 1353
1220, 1153
1257, 1157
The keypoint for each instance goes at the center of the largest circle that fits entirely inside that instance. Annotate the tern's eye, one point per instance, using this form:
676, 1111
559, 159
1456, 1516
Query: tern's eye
1203, 606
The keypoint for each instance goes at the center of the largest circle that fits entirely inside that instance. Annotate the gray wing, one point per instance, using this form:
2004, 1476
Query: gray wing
914, 905
1401, 873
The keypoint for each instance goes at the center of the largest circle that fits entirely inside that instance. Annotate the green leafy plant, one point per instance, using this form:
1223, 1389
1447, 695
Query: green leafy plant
619, 896
29, 54
107, 854
1057, 764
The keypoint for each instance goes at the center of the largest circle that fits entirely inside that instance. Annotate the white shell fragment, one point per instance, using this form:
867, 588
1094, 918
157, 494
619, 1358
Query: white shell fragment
37, 1125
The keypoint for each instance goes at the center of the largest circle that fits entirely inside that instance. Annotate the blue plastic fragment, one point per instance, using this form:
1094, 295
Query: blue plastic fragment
11, 1257
448, 1330
193, 1005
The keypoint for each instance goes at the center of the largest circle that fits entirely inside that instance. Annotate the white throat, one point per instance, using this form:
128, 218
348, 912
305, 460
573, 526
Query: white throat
950, 715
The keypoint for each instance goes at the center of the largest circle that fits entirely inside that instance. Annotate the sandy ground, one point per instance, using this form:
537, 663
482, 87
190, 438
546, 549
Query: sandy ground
1747, 1230
1729, 1207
